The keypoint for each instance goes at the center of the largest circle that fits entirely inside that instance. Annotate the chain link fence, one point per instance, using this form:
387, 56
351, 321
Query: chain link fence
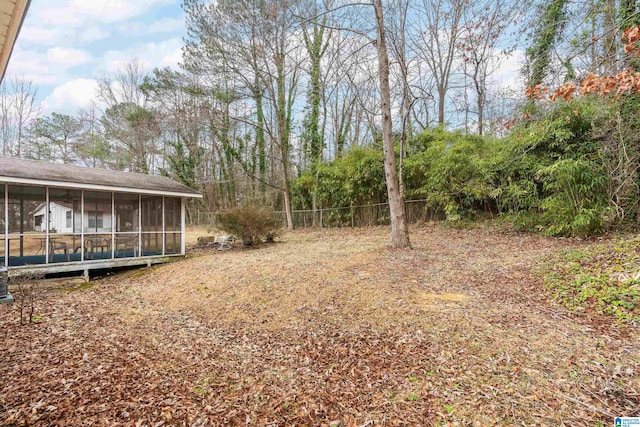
202, 219
352, 216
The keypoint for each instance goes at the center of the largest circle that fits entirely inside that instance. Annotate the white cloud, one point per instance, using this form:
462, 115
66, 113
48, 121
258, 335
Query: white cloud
69, 97
65, 44
39, 36
68, 57
34, 66
76, 13
160, 54
32, 36
508, 74
167, 26
172, 59
92, 34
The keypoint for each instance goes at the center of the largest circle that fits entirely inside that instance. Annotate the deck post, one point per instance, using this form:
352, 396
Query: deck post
113, 225
47, 225
183, 228
6, 225
164, 236
82, 225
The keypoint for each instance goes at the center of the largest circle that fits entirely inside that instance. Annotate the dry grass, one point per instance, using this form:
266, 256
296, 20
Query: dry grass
330, 327
192, 234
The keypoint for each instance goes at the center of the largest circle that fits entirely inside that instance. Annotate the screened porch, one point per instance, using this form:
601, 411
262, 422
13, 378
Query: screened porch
46, 225
57, 218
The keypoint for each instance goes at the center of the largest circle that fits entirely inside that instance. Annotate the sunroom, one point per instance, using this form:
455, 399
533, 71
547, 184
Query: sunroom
59, 218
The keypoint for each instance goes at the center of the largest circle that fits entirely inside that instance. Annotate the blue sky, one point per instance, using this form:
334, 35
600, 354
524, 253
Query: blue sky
65, 46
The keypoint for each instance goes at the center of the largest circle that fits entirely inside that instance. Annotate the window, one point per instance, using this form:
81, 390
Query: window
95, 220
69, 216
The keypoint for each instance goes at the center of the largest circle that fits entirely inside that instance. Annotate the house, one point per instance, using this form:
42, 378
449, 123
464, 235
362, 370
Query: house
60, 218
63, 218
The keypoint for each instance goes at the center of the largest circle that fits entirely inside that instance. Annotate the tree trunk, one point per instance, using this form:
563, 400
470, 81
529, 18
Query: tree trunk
442, 93
399, 229
283, 135
609, 40
260, 142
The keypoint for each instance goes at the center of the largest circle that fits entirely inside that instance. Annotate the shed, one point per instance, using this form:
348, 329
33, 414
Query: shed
60, 218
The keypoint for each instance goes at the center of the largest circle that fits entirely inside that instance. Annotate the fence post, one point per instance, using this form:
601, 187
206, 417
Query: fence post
352, 215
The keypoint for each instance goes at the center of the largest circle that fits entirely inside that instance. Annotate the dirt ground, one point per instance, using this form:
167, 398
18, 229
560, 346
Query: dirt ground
323, 328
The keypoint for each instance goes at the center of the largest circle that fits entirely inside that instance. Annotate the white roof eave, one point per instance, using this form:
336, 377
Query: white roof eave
80, 186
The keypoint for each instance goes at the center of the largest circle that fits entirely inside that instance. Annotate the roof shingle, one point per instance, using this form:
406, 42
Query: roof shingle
80, 177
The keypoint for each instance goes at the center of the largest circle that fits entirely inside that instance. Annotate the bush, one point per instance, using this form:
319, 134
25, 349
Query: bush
553, 176
357, 178
251, 224
453, 173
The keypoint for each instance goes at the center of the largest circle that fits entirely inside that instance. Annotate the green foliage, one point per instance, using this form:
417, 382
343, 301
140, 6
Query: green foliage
185, 161
603, 278
545, 35
56, 136
569, 171
553, 177
453, 173
355, 179
250, 224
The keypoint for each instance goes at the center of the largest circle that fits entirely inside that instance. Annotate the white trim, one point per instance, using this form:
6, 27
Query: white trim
164, 234
81, 226
89, 265
140, 225
6, 225
77, 185
183, 228
47, 224
113, 225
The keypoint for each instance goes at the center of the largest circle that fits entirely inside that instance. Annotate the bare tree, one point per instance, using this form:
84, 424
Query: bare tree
439, 24
93, 148
27, 293
18, 109
128, 121
6, 113
399, 229
485, 22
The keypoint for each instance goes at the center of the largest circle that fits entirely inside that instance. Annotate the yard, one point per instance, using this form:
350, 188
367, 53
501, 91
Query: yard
323, 328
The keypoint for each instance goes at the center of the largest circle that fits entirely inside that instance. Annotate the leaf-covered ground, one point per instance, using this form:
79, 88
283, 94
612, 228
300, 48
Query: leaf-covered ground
323, 328
603, 278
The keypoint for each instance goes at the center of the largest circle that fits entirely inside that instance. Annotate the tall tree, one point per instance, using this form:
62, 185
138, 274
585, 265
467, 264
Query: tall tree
60, 133
93, 149
129, 122
440, 25
17, 111
478, 45
225, 47
399, 229
545, 34
255, 46
313, 136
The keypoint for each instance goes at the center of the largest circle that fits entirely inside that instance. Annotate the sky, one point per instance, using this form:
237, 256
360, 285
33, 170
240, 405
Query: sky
65, 46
